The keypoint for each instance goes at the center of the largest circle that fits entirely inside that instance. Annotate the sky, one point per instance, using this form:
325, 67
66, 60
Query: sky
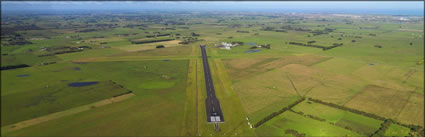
359, 7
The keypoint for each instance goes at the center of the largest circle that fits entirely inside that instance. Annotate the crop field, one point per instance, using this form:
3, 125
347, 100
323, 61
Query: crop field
141, 74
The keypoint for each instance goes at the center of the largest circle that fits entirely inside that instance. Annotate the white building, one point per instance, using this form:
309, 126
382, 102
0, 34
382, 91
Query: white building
225, 45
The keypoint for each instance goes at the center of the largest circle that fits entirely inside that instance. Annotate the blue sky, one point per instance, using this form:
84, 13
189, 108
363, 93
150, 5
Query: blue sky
362, 7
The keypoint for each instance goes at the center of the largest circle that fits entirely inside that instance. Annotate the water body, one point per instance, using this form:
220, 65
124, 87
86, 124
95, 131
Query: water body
252, 51
82, 84
23, 75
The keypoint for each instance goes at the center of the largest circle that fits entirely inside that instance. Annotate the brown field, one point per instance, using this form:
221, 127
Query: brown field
379, 100
411, 113
321, 85
148, 46
239, 69
263, 90
167, 51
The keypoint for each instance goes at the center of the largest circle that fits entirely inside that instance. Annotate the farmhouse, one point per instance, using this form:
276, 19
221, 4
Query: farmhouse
225, 45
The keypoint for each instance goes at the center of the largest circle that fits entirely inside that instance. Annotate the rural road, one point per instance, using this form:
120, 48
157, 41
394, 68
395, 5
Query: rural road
214, 113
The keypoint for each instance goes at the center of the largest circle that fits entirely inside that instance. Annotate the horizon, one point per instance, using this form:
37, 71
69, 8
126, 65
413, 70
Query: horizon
409, 8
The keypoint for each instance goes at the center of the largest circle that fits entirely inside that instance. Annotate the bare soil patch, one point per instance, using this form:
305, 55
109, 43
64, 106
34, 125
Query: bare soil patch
239, 69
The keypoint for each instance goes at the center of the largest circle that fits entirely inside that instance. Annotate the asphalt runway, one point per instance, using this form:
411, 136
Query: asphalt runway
212, 105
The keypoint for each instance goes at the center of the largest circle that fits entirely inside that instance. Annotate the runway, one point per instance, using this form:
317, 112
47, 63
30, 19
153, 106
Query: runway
213, 109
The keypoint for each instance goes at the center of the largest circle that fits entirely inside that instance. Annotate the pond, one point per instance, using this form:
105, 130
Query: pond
251, 51
82, 84
23, 75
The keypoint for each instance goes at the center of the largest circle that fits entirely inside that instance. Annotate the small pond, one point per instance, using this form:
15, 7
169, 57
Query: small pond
251, 51
82, 84
23, 75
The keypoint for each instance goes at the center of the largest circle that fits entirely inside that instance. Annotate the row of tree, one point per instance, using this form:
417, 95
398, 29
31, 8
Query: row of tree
274, 114
317, 46
14, 66
60, 52
294, 133
381, 131
242, 31
308, 115
157, 35
150, 41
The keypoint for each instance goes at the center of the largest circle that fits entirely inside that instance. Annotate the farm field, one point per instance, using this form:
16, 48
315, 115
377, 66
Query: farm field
360, 124
141, 74
289, 120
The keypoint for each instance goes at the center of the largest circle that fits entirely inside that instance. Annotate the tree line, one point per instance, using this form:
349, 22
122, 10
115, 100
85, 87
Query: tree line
274, 114
381, 131
150, 41
317, 46
14, 66
60, 52
294, 133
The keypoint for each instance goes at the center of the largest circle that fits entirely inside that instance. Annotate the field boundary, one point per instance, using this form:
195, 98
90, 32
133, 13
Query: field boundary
381, 131
412, 127
274, 114
324, 120
293, 85
68, 112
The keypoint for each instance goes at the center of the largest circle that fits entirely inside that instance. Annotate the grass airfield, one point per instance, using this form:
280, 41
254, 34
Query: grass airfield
168, 87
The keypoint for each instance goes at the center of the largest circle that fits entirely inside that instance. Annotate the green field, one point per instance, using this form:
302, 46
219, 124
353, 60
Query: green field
358, 123
289, 120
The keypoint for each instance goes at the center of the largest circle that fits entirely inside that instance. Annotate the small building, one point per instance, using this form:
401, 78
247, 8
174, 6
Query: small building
225, 45
43, 48
84, 47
